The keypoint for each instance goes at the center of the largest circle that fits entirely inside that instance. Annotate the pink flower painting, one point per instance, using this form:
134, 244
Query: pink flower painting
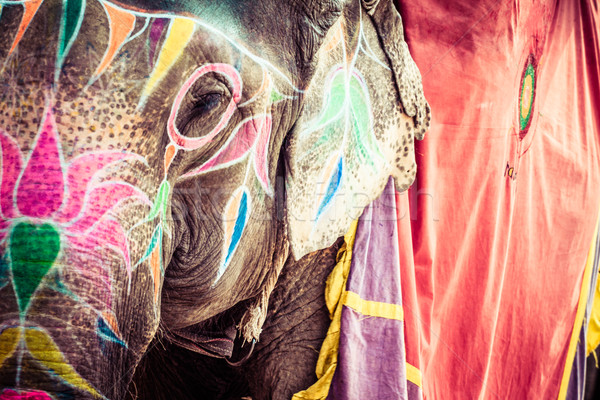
47, 206
9, 394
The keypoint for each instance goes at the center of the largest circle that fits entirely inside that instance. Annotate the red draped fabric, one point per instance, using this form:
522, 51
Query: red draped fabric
495, 232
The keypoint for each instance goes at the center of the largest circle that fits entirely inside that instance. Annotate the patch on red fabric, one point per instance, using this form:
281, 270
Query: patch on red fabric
527, 95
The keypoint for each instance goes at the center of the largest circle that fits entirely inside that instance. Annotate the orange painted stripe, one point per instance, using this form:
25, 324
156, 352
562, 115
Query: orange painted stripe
121, 24
155, 270
230, 214
169, 155
31, 8
336, 38
265, 84
111, 320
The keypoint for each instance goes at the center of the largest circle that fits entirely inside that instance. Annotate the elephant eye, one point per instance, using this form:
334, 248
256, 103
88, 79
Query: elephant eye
206, 103
202, 112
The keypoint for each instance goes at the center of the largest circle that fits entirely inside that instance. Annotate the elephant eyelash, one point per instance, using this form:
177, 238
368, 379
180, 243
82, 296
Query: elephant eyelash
206, 103
202, 110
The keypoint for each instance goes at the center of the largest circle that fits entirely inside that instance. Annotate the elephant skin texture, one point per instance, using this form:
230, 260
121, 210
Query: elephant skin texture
163, 166
281, 364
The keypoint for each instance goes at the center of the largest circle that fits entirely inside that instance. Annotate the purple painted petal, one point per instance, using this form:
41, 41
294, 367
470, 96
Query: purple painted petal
156, 30
260, 155
100, 201
11, 168
41, 188
81, 170
4, 224
236, 148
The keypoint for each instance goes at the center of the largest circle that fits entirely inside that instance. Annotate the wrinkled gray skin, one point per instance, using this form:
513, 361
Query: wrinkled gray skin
330, 135
282, 363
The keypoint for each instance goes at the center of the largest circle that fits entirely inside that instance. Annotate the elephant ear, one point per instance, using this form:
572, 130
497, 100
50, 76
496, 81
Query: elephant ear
360, 115
388, 23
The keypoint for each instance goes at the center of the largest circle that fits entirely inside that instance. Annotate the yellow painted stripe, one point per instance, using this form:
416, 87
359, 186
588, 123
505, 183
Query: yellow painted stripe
413, 374
180, 33
9, 339
44, 350
372, 308
583, 296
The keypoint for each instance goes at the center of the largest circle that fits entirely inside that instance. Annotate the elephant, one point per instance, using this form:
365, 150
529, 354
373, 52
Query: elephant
169, 168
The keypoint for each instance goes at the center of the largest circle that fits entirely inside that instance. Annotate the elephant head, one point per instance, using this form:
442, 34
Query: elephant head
158, 160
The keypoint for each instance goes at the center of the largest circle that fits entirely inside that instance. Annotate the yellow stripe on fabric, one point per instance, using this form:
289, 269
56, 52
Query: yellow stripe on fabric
413, 374
583, 296
593, 332
180, 33
334, 290
372, 308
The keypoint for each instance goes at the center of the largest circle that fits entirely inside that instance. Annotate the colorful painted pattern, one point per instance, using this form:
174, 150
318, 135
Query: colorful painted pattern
9, 394
51, 210
346, 104
345, 118
48, 206
54, 213
249, 138
527, 95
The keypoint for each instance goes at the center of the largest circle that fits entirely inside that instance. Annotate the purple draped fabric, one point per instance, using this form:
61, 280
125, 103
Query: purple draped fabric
372, 361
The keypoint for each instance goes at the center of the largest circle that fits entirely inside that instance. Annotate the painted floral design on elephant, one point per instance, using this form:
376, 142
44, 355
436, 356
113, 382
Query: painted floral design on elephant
345, 119
249, 139
47, 205
46, 208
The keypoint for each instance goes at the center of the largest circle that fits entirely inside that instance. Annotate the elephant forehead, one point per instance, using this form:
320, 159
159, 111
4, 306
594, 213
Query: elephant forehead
124, 108
107, 44
88, 123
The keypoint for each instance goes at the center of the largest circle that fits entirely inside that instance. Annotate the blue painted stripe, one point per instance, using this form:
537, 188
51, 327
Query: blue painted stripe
332, 188
106, 333
240, 223
4, 277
